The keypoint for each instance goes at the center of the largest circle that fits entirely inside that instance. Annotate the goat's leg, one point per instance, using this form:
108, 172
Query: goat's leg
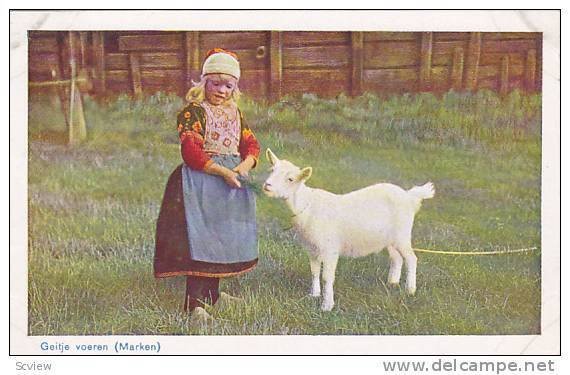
396, 262
315, 271
329, 269
411, 264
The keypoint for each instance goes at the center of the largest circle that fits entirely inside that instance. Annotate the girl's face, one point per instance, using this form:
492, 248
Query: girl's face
219, 88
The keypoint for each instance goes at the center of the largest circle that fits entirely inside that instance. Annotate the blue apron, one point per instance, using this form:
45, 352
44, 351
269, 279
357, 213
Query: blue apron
220, 219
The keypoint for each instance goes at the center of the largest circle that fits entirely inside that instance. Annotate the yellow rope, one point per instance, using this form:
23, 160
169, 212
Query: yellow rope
475, 252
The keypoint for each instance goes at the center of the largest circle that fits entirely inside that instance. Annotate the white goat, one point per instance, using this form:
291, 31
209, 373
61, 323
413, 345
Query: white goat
354, 224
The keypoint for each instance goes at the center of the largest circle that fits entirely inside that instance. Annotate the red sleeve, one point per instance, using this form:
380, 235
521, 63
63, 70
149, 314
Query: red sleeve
248, 144
191, 132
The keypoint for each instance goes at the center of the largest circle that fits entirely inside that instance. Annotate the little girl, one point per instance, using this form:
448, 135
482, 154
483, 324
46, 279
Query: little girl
206, 228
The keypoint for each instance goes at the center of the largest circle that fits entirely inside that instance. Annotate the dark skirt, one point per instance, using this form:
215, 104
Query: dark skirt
172, 249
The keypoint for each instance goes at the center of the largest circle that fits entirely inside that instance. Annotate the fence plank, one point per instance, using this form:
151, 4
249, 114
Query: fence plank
314, 38
504, 81
530, 71
117, 61
99, 61
443, 52
425, 60
490, 83
162, 60
450, 36
495, 58
156, 80
118, 81
323, 82
316, 57
42, 63
136, 78
380, 36
509, 35
390, 80
440, 78
128, 43
45, 44
357, 44
253, 83
472, 63
488, 71
381, 55
457, 69
275, 65
232, 40
504, 46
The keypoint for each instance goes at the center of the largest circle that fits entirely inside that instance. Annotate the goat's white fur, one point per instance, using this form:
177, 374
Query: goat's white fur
356, 224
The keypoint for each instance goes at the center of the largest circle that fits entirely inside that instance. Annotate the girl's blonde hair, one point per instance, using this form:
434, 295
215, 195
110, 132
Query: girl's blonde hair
197, 93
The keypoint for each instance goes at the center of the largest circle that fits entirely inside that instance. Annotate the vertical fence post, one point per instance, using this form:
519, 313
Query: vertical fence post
275, 65
76, 125
504, 80
457, 70
83, 49
192, 57
99, 63
425, 61
357, 45
530, 71
62, 94
472, 63
134, 59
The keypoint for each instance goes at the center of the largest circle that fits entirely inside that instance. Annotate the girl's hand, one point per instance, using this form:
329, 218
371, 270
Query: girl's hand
245, 166
231, 179
242, 169
229, 176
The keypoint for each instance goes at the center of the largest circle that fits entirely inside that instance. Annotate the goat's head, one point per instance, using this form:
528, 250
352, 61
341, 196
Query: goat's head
285, 177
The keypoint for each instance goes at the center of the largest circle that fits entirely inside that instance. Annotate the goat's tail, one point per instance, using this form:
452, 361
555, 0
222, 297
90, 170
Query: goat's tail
425, 191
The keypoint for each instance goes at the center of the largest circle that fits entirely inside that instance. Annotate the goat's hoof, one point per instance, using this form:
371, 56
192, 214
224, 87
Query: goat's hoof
394, 284
327, 306
411, 291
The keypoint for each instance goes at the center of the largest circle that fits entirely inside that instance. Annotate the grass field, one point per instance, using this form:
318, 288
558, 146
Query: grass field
93, 208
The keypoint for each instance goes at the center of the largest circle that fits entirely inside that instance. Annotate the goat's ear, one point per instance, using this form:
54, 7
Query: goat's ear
271, 157
305, 174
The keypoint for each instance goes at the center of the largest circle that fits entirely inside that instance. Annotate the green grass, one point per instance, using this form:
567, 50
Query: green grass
93, 209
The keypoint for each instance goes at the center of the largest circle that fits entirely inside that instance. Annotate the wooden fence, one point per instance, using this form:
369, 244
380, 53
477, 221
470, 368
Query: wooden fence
276, 63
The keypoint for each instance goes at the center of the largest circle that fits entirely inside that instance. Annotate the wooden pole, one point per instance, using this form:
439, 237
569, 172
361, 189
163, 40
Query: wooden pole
357, 45
457, 70
99, 63
83, 49
275, 65
192, 57
425, 61
62, 94
504, 81
136, 77
530, 71
472, 63
77, 127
